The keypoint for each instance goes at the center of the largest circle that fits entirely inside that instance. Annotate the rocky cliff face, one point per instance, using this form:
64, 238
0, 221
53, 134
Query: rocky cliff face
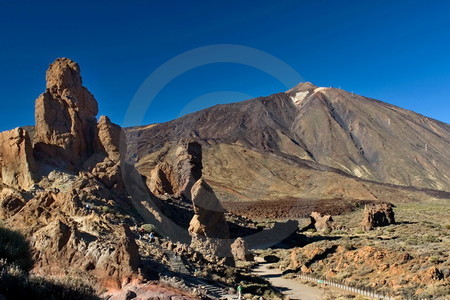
66, 193
70, 239
16, 159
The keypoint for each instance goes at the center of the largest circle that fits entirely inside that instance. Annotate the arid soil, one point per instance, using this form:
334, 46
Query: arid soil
408, 259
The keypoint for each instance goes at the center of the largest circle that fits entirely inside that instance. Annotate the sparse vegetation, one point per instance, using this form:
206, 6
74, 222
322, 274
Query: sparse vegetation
415, 245
16, 283
148, 228
14, 249
107, 209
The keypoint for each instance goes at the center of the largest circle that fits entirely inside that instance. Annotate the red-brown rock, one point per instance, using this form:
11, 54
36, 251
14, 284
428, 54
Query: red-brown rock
321, 222
16, 159
209, 218
177, 171
108, 139
379, 214
65, 117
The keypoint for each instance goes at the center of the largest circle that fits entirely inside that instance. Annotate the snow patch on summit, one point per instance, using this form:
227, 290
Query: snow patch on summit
299, 97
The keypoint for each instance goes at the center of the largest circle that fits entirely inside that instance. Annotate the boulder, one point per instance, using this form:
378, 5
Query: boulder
69, 240
240, 250
320, 222
16, 159
433, 273
108, 139
209, 215
378, 214
109, 173
65, 117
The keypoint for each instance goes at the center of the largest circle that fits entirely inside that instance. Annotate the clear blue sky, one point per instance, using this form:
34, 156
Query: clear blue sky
395, 51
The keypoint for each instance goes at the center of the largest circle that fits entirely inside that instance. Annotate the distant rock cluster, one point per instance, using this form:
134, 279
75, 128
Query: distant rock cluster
321, 222
377, 215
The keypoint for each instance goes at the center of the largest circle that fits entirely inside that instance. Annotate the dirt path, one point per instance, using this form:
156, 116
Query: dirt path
289, 287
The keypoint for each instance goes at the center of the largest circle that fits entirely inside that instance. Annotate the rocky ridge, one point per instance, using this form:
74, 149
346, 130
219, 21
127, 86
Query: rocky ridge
57, 184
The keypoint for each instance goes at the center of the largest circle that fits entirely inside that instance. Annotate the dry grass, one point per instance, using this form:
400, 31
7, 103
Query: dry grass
422, 231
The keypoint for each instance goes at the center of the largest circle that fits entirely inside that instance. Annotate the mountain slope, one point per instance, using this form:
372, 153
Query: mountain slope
360, 136
308, 142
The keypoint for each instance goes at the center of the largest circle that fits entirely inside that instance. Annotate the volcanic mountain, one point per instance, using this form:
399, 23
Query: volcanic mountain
309, 143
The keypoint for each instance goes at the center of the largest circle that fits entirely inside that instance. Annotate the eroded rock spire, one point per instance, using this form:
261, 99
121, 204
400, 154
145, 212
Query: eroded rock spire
65, 116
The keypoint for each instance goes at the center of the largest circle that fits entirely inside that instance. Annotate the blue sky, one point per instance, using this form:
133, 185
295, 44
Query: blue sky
395, 51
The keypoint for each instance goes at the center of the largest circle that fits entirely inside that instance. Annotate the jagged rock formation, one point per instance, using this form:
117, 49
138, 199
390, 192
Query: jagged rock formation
66, 228
240, 250
66, 193
65, 117
321, 222
11, 201
176, 171
16, 159
377, 215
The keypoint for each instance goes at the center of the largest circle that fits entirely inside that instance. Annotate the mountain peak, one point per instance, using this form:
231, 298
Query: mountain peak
302, 86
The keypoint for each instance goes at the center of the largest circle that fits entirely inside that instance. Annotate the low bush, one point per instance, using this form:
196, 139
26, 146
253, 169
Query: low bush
107, 210
15, 282
434, 260
148, 228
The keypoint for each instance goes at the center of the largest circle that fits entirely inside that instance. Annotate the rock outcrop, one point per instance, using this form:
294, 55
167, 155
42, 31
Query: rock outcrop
66, 193
377, 215
320, 222
209, 218
178, 171
16, 159
240, 250
70, 239
208, 227
108, 139
11, 201
65, 117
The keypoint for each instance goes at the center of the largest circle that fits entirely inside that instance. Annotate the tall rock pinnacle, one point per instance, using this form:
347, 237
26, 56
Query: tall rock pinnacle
65, 117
